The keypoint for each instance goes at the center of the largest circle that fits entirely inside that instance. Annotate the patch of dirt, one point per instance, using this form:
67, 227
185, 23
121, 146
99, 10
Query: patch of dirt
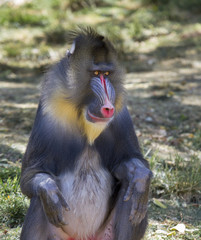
165, 105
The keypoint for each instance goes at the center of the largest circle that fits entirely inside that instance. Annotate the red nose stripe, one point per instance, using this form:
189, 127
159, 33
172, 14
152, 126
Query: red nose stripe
107, 109
103, 84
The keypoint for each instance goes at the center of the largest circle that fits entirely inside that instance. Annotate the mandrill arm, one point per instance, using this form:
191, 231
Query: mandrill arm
37, 181
136, 177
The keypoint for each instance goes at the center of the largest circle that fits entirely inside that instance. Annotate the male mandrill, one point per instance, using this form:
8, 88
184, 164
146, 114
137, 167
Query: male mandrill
83, 169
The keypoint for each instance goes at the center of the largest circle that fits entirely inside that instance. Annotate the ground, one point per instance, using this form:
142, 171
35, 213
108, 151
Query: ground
163, 84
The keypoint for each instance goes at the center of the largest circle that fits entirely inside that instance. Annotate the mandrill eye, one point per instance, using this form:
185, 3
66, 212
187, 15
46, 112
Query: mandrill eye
107, 73
96, 73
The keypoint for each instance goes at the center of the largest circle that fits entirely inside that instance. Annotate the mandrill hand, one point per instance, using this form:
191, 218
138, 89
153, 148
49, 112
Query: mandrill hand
138, 179
53, 202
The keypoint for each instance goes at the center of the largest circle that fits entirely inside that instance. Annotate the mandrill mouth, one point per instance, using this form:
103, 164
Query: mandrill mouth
98, 119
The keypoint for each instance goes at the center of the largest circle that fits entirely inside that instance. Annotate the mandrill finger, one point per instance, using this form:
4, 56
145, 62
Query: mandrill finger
63, 202
61, 220
129, 192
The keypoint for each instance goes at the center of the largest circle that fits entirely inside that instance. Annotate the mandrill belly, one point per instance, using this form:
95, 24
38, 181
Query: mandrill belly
87, 192
88, 201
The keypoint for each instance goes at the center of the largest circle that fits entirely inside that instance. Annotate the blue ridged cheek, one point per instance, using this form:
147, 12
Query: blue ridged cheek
100, 92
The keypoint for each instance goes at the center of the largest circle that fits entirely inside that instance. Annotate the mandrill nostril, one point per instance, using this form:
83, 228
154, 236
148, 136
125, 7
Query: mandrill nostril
107, 112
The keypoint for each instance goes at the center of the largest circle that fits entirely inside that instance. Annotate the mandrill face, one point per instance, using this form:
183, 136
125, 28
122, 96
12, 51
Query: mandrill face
102, 109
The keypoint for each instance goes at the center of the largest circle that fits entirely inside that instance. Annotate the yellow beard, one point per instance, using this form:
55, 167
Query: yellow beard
91, 130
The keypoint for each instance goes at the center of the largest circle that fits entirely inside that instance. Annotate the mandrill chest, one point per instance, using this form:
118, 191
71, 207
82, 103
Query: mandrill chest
87, 191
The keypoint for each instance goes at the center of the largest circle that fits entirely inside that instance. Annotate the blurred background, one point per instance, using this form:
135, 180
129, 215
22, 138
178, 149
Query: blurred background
159, 44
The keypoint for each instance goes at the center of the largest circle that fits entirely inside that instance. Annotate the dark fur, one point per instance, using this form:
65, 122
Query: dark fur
53, 150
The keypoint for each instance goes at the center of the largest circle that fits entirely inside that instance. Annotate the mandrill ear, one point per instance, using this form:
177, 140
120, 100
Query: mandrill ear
71, 51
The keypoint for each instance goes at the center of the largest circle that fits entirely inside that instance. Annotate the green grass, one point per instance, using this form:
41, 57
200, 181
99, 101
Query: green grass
196, 140
13, 49
176, 177
10, 234
176, 212
21, 17
13, 204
